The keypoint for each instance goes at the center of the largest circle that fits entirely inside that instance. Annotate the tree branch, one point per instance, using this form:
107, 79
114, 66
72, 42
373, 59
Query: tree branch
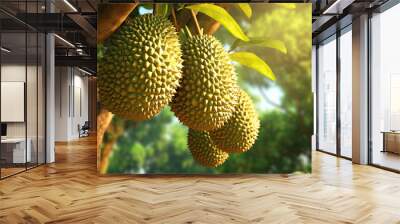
174, 18
111, 16
115, 131
103, 121
213, 28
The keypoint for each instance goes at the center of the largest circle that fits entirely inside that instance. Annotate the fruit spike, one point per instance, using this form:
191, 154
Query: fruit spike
141, 68
240, 132
204, 151
205, 100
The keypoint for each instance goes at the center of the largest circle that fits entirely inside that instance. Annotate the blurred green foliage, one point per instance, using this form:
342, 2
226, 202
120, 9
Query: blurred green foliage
284, 143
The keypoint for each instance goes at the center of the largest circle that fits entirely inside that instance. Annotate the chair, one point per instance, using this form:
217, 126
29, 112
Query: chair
84, 130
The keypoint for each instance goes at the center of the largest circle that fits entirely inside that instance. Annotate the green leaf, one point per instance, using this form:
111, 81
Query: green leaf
220, 15
180, 6
269, 43
246, 9
252, 61
287, 5
100, 52
148, 6
162, 9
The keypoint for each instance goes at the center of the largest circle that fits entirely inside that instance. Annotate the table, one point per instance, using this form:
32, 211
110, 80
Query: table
15, 148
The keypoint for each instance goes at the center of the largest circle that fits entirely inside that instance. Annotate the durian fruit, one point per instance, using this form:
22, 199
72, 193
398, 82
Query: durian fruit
204, 151
204, 100
141, 68
240, 132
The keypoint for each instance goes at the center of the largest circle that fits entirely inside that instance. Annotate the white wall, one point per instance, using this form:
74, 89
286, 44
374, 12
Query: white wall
71, 102
12, 73
62, 81
34, 125
80, 111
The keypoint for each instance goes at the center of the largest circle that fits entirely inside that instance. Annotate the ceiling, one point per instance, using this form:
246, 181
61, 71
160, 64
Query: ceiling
74, 22
331, 15
16, 42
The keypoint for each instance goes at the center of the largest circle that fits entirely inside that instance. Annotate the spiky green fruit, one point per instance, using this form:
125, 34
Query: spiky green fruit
240, 132
141, 68
203, 149
204, 100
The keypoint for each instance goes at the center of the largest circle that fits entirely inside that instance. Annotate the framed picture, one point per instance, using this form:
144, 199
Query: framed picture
204, 88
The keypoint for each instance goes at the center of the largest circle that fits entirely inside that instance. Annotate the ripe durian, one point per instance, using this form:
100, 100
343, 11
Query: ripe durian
141, 68
203, 150
240, 132
204, 100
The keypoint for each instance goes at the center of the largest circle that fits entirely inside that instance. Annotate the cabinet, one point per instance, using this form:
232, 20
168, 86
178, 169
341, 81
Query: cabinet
391, 142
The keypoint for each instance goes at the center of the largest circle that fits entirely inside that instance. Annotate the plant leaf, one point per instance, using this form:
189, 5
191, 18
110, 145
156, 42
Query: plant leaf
287, 5
269, 43
220, 15
180, 6
148, 6
162, 9
100, 51
246, 9
252, 61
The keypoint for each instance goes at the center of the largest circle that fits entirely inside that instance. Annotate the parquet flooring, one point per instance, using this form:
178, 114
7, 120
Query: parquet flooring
70, 191
10, 171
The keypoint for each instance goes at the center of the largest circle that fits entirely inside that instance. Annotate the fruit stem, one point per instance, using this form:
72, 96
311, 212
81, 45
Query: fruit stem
187, 32
196, 22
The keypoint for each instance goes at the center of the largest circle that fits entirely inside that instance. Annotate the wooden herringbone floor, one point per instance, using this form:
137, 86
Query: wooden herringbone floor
70, 191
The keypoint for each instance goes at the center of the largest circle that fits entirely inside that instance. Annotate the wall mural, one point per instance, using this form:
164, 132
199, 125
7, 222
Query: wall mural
204, 88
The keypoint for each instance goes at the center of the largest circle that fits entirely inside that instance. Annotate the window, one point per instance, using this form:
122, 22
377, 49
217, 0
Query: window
22, 76
327, 96
346, 74
385, 89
